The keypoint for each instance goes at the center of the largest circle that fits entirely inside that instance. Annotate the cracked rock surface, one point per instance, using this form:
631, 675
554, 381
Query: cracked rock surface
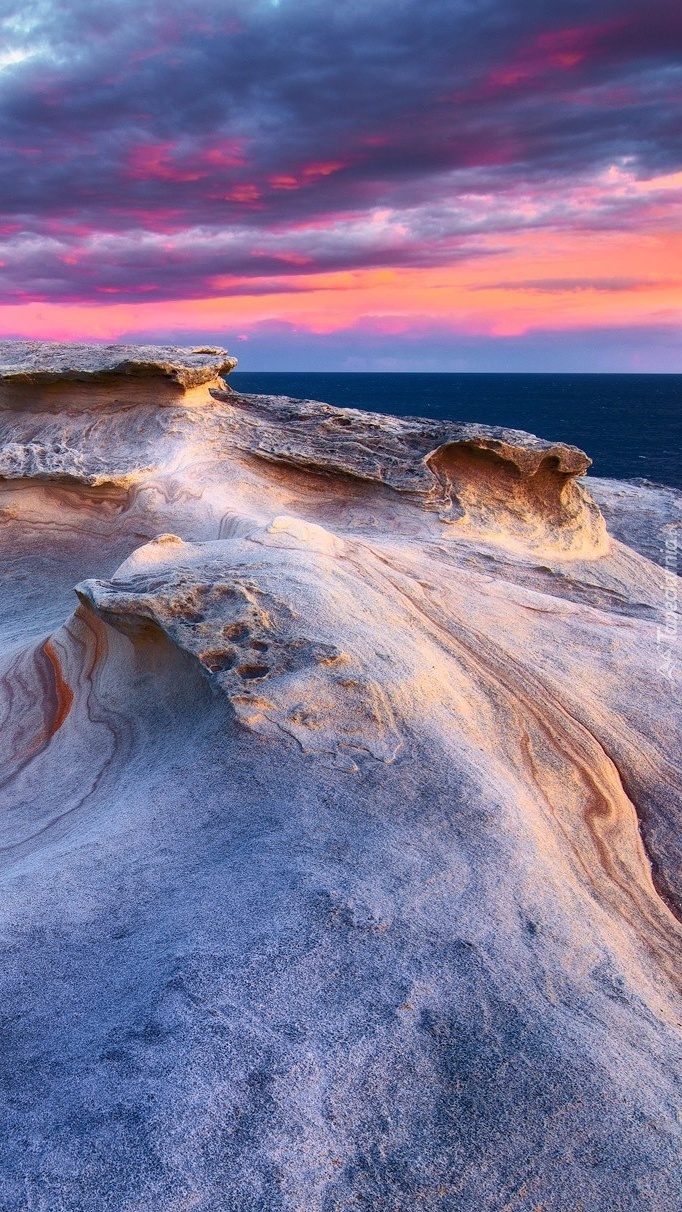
340, 837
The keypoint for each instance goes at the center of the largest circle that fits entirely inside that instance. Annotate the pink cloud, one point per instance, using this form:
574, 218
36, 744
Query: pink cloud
556, 51
308, 175
166, 162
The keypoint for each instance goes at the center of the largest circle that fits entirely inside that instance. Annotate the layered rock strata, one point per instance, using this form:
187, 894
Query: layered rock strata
46, 375
340, 827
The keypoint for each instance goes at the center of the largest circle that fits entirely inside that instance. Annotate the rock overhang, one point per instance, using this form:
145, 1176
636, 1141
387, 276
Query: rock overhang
40, 376
512, 485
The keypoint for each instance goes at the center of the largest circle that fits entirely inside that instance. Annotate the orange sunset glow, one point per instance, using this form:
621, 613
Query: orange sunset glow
527, 190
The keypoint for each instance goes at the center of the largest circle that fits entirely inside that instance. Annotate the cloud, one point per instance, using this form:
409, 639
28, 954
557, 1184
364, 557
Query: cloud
437, 347
174, 150
561, 286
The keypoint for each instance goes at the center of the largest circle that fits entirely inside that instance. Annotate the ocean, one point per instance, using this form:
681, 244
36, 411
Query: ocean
630, 425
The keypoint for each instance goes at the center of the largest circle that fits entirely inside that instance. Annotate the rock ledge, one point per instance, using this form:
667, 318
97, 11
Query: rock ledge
49, 375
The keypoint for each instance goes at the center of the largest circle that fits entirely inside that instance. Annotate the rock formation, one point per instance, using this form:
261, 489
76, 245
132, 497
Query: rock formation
340, 830
45, 376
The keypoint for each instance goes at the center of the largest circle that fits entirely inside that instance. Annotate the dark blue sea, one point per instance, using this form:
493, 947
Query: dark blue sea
630, 425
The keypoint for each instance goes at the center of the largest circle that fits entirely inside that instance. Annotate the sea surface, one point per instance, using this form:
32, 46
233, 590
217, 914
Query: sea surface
630, 425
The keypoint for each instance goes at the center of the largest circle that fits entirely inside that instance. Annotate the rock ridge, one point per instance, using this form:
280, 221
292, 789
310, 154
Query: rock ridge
493, 480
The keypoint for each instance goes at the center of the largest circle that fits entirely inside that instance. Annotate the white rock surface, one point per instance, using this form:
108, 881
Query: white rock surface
341, 844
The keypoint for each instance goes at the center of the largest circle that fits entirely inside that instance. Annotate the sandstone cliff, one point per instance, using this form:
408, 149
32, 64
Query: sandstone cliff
340, 822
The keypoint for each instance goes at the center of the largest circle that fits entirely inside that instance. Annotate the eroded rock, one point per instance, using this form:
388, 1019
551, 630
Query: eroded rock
488, 480
340, 832
47, 375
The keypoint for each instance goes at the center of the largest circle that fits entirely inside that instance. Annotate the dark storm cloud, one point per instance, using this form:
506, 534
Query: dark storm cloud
230, 128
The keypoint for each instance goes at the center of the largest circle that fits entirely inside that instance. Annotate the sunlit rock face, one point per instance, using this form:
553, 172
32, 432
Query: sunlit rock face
340, 830
47, 375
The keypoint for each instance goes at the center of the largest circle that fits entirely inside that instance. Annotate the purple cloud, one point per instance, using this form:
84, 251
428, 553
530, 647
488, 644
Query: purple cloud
158, 150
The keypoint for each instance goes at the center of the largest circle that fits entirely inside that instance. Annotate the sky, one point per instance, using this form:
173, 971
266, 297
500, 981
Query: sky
347, 184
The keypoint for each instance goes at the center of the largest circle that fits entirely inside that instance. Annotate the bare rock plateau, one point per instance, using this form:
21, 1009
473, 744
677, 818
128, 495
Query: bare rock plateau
340, 821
